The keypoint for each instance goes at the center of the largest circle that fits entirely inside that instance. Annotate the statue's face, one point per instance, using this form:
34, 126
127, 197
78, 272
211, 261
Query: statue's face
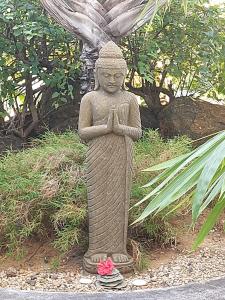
111, 80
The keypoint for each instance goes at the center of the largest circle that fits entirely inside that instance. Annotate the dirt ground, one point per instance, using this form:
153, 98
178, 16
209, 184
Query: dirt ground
41, 256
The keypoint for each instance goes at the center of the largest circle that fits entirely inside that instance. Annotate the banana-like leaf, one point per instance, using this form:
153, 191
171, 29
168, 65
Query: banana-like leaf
206, 177
183, 162
167, 164
210, 221
177, 184
214, 191
204, 150
178, 205
202, 173
96, 22
180, 193
158, 178
168, 191
163, 176
157, 204
223, 186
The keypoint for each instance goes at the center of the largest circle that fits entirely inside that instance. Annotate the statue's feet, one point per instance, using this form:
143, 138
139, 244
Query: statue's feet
120, 258
96, 258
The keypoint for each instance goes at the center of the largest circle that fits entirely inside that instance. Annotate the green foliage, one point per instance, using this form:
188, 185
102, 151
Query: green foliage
149, 150
152, 149
177, 54
33, 48
29, 42
42, 191
55, 263
202, 172
181, 54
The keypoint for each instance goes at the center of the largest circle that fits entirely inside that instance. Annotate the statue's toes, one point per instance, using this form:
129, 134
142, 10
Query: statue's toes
120, 258
98, 257
124, 258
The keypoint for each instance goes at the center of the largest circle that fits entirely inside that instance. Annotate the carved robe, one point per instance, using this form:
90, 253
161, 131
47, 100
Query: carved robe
109, 170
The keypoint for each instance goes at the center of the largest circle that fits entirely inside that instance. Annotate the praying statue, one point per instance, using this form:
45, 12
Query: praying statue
109, 122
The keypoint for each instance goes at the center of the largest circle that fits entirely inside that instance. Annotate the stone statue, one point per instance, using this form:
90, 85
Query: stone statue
109, 121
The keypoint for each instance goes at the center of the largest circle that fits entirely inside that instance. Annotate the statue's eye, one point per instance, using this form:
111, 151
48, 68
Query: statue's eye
118, 75
106, 75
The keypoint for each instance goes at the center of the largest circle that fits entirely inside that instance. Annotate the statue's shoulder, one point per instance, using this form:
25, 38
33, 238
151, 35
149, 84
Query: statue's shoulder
131, 96
87, 98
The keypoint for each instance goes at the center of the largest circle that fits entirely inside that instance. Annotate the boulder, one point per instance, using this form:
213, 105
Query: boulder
10, 142
194, 118
66, 117
148, 119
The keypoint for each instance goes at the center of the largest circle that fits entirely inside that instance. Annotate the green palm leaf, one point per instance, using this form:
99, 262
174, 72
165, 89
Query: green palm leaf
201, 171
213, 192
207, 175
210, 222
176, 165
169, 191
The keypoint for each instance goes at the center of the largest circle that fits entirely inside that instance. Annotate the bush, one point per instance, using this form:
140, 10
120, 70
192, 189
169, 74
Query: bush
42, 190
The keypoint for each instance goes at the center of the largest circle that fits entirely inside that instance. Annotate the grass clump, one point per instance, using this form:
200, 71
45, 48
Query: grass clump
43, 193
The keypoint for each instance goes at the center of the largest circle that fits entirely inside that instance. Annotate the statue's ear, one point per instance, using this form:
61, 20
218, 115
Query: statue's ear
124, 87
97, 85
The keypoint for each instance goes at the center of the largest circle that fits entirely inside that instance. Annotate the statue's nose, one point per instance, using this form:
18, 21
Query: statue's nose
112, 79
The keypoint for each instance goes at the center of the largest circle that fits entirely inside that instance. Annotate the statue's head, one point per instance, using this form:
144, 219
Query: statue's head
110, 69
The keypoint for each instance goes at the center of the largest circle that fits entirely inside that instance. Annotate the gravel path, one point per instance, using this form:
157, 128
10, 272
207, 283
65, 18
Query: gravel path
212, 290
207, 264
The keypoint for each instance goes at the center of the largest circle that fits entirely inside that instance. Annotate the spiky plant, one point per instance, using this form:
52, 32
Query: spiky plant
200, 172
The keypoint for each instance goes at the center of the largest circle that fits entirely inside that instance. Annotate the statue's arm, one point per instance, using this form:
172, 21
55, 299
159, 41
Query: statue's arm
85, 129
133, 130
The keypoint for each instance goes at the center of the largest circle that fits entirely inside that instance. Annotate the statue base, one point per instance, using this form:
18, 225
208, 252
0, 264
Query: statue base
126, 267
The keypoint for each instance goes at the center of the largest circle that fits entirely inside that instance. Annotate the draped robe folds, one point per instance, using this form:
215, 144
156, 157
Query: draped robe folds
109, 172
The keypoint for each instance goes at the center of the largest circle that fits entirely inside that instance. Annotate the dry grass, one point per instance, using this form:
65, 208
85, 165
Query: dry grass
42, 191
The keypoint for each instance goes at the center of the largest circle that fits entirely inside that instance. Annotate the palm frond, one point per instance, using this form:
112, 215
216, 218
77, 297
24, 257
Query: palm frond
173, 167
97, 22
210, 221
82, 19
202, 170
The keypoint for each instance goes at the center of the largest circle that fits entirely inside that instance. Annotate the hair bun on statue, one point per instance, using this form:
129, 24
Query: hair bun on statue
111, 56
110, 50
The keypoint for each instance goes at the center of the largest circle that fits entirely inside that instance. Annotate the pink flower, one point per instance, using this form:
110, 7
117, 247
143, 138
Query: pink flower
105, 267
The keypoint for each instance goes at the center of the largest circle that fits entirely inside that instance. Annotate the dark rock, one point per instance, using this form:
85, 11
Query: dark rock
194, 118
11, 272
148, 119
31, 282
54, 276
64, 118
113, 281
10, 142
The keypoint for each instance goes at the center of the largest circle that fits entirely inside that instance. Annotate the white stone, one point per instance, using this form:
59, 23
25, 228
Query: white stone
139, 282
85, 280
